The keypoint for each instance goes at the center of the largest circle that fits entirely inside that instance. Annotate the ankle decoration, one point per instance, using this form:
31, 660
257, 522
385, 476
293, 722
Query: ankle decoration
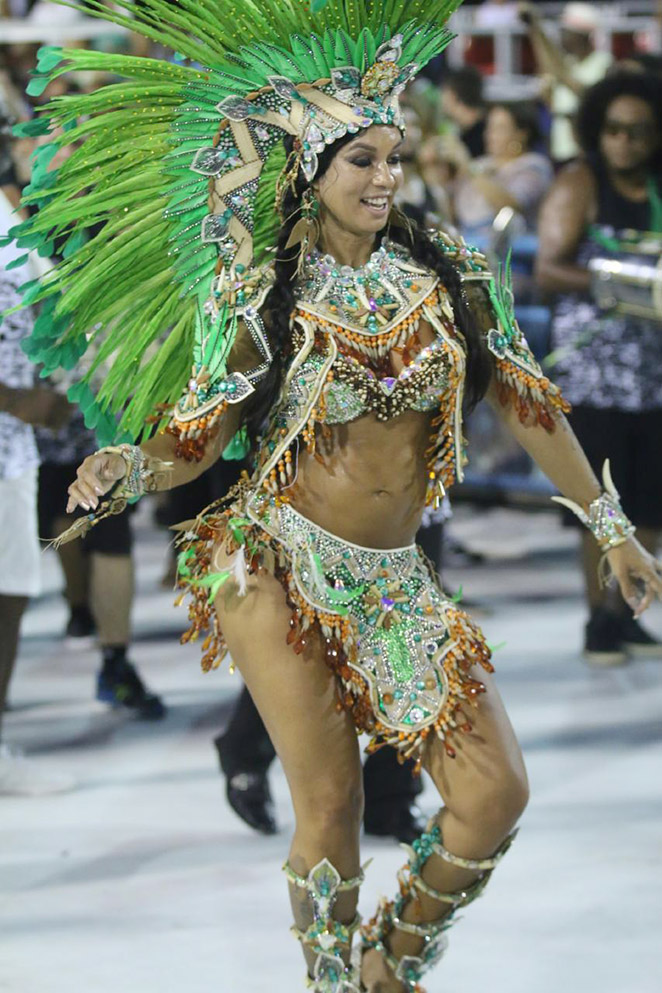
410, 968
326, 936
605, 518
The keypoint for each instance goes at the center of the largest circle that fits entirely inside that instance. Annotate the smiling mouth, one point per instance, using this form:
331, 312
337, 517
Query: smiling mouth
378, 205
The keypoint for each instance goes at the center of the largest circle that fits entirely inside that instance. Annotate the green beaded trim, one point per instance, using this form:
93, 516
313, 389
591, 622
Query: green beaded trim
305, 881
332, 976
323, 936
459, 898
477, 865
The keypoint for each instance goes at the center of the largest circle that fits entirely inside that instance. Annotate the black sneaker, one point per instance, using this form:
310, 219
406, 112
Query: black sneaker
637, 642
603, 642
120, 685
80, 629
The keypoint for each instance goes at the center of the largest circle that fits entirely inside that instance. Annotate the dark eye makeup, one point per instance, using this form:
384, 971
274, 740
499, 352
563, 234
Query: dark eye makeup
363, 162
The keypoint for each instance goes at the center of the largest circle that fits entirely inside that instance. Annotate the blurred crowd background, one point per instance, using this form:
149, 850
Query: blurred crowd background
514, 139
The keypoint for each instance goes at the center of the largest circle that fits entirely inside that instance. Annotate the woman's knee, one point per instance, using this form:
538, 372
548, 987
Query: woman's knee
496, 808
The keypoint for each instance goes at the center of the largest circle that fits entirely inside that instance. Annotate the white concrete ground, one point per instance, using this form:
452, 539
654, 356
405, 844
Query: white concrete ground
143, 881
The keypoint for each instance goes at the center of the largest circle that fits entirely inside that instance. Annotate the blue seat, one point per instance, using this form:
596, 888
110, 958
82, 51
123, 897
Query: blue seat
535, 321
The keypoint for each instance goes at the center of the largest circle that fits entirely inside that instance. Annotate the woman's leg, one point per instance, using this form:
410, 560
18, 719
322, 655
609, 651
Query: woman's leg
484, 790
318, 747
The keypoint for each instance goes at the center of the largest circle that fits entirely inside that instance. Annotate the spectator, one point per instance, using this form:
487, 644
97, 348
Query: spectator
609, 364
572, 64
441, 159
21, 406
98, 572
463, 103
512, 174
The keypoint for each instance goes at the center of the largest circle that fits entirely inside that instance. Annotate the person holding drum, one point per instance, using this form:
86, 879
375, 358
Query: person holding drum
605, 207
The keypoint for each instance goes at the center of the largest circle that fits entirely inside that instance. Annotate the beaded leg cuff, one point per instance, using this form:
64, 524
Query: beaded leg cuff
325, 935
410, 968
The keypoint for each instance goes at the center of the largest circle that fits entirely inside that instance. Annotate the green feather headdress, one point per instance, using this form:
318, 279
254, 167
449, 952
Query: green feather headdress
172, 171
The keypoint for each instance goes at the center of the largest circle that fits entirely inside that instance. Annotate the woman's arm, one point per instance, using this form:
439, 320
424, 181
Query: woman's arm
549, 55
565, 214
561, 458
100, 471
496, 195
558, 453
36, 405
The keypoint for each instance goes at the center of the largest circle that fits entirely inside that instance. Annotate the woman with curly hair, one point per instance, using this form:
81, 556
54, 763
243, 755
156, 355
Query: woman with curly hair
610, 363
348, 352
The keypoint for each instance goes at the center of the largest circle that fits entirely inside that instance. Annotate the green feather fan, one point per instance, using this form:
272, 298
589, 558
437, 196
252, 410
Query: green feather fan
125, 208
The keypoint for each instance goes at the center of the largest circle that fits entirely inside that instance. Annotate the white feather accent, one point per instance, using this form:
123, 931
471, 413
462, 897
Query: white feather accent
608, 481
239, 572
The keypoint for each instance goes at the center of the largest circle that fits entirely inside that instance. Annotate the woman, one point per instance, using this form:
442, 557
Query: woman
609, 362
348, 356
511, 174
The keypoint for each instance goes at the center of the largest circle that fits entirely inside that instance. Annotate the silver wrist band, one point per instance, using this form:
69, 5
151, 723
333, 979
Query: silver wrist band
604, 517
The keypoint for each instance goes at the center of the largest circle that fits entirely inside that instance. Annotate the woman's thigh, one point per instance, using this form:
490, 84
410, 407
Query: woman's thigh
295, 694
485, 786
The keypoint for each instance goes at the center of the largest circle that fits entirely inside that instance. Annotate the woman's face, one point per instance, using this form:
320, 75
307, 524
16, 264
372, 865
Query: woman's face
503, 139
357, 191
629, 136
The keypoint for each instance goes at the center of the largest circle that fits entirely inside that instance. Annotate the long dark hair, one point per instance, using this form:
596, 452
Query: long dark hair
525, 116
280, 302
592, 112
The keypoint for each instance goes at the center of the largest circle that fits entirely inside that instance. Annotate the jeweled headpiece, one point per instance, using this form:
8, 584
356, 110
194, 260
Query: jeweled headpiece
173, 172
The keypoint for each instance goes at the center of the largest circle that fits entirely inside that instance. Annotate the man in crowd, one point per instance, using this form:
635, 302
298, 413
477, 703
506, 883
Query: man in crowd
571, 65
462, 101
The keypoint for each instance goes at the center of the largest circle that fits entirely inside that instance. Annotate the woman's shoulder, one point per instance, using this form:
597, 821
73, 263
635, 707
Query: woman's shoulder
244, 288
535, 160
576, 180
469, 261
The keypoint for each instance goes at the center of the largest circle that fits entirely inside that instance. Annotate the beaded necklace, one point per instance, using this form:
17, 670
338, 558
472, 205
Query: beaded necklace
372, 307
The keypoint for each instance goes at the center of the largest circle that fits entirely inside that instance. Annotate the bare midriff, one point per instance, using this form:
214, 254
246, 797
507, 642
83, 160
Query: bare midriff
369, 481
370, 487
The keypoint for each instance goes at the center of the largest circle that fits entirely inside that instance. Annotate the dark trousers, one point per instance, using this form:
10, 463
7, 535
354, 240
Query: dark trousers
245, 746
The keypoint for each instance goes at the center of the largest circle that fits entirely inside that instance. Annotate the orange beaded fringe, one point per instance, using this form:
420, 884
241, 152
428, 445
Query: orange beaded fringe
338, 634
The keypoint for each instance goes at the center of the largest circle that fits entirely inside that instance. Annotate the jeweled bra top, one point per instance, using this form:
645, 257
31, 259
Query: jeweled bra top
346, 326
372, 312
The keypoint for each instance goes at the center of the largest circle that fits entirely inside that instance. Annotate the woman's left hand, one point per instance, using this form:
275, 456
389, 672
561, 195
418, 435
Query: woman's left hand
638, 574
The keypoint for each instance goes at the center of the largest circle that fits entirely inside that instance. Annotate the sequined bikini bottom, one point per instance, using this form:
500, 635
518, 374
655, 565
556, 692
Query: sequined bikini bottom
402, 650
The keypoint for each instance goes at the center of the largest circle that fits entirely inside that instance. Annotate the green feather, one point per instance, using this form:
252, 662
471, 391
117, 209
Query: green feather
125, 207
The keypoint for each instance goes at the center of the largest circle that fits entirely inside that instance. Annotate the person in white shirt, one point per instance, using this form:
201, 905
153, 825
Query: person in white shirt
22, 405
571, 65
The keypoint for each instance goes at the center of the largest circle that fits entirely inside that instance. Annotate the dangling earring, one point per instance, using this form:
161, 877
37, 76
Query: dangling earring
306, 231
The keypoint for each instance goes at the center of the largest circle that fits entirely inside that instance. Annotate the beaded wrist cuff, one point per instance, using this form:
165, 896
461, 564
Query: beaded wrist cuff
143, 473
604, 517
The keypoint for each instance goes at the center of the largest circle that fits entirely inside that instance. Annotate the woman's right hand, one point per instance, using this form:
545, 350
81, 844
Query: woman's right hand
94, 477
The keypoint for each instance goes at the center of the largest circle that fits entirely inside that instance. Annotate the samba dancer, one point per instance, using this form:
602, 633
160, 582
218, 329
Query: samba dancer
348, 354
